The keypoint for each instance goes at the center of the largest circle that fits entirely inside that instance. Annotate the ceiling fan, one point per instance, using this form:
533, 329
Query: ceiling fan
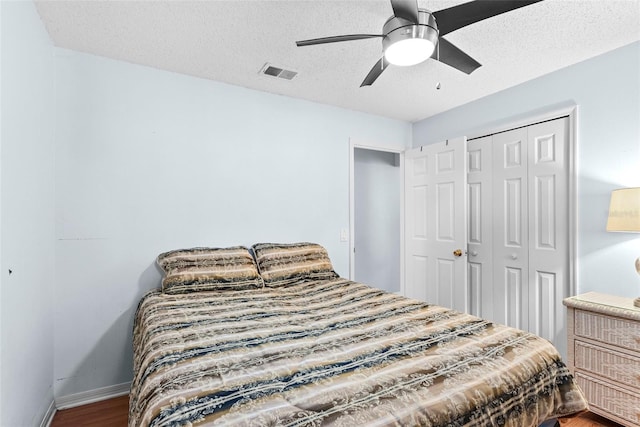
413, 35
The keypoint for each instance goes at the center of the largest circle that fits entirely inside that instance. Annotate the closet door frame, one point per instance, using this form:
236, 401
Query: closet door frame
571, 112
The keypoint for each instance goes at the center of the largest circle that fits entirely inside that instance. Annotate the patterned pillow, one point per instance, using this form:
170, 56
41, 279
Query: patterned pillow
281, 264
208, 269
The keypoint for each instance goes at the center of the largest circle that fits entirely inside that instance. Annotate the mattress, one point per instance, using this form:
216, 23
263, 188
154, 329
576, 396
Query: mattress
336, 352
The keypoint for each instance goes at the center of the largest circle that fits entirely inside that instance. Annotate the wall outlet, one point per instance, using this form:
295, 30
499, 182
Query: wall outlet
344, 235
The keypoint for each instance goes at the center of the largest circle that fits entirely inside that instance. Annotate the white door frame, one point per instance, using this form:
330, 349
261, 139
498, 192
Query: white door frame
353, 144
572, 113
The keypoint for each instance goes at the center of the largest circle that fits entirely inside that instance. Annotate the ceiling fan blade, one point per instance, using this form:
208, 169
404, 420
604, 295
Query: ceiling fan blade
406, 9
456, 17
335, 39
375, 72
446, 52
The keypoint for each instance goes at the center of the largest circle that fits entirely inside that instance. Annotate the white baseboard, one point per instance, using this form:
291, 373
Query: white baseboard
91, 396
48, 416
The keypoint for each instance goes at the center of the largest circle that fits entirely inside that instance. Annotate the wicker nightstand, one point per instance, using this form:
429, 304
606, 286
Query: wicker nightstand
604, 354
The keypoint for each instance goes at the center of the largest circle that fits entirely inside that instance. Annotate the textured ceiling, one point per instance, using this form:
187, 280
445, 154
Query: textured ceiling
230, 41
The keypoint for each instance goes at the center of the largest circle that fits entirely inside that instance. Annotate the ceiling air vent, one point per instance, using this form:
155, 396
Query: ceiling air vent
270, 70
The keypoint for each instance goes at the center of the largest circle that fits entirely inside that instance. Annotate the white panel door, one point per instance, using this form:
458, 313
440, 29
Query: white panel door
548, 227
510, 230
417, 189
435, 224
480, 227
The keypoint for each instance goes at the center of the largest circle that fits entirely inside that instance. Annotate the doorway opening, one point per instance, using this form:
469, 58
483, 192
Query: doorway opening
376, 207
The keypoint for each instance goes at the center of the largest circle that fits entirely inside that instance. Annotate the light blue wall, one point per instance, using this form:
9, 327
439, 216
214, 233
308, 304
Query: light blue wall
606, 90
27, 216
149, 161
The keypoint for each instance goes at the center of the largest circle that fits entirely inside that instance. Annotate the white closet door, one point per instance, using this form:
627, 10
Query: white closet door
548, 227
480, 227
510, 231
435, 224
518, 227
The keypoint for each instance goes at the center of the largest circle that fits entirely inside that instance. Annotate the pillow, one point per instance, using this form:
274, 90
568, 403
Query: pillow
282, 264
208, 269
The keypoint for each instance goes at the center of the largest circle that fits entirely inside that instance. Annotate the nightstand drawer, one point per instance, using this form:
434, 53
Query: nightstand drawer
613, 400
617, 366
611, 330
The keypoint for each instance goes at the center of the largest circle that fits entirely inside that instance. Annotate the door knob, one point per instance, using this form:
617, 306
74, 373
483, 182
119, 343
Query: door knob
474, 253
514, 256
457, 252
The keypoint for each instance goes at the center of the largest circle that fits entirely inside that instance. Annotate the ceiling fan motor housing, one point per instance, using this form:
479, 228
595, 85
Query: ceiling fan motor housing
398, 29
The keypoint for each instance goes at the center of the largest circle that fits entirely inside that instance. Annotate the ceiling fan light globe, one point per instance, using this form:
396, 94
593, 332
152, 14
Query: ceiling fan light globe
410, 51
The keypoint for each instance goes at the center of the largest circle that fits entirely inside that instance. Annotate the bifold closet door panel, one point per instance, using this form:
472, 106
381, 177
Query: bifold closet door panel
480, 227
548, 226
510, 227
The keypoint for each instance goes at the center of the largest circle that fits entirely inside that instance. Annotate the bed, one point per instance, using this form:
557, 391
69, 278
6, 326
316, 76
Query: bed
273, 336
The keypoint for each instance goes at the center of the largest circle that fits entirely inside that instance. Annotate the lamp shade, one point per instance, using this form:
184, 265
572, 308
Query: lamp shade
624, 210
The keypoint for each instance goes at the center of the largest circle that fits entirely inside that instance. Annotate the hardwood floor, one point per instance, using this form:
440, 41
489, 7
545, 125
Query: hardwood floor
107, 413
588, 419
114, 413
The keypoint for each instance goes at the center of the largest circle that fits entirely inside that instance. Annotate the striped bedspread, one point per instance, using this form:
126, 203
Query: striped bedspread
335, 352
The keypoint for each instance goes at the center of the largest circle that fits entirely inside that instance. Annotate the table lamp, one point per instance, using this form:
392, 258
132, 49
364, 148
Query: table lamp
624, 216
